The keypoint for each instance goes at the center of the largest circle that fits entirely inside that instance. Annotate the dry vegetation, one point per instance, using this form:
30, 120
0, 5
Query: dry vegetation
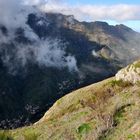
108, 110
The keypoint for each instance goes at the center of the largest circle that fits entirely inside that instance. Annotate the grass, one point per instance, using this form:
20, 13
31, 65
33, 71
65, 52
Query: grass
5, 135
30, 136
131, 137
102, 110
119, 115
120, 83
137, 65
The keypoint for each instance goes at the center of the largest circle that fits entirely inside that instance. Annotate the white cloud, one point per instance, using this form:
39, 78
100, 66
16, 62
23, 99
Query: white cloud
13, 13
33, 2
49, 52
119, 12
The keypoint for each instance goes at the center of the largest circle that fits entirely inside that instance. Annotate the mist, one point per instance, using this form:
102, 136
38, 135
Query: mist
49, 52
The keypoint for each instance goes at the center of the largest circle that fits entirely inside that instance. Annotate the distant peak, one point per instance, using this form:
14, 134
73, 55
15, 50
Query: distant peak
101, 23
123, 27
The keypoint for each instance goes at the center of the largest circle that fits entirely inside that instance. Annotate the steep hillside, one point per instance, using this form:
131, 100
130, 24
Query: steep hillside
108, 110
118, 40
51, 55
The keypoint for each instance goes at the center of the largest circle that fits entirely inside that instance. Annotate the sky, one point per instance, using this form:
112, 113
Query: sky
14, 14
135, 24
108, 2
112, 11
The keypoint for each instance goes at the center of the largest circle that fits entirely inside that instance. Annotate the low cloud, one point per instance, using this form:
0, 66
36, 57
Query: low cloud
49, 52
52, 53
10, 9
14, 13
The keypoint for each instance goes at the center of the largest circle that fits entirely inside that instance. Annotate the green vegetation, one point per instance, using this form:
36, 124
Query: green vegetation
137, 64
131, 137
84, 128
5, 135
30, 136
119, 115
108, 110
120, 83
102, 111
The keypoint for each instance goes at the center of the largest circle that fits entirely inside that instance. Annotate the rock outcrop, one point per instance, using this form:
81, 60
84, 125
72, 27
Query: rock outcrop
130, 74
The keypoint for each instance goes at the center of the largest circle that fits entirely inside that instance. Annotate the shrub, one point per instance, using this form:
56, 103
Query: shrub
84, 128
131, 137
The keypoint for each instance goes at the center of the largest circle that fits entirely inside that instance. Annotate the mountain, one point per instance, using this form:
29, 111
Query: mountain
52, 55
107, 110
118, 40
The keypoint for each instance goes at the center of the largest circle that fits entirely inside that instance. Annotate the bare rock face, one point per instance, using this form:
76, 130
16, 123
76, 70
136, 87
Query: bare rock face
130, 74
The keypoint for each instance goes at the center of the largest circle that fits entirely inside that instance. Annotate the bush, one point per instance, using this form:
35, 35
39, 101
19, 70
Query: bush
84, 128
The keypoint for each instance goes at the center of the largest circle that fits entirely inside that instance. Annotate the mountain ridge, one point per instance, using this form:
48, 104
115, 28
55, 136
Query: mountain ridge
52, 55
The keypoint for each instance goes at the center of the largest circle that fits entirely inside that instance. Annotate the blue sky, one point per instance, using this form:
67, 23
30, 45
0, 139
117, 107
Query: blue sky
112, 11
135, 24
108, 2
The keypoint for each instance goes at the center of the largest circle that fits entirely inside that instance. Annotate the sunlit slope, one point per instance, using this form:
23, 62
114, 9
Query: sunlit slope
108, 110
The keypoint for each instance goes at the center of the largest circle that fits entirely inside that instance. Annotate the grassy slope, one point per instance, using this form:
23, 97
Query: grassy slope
108, 110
